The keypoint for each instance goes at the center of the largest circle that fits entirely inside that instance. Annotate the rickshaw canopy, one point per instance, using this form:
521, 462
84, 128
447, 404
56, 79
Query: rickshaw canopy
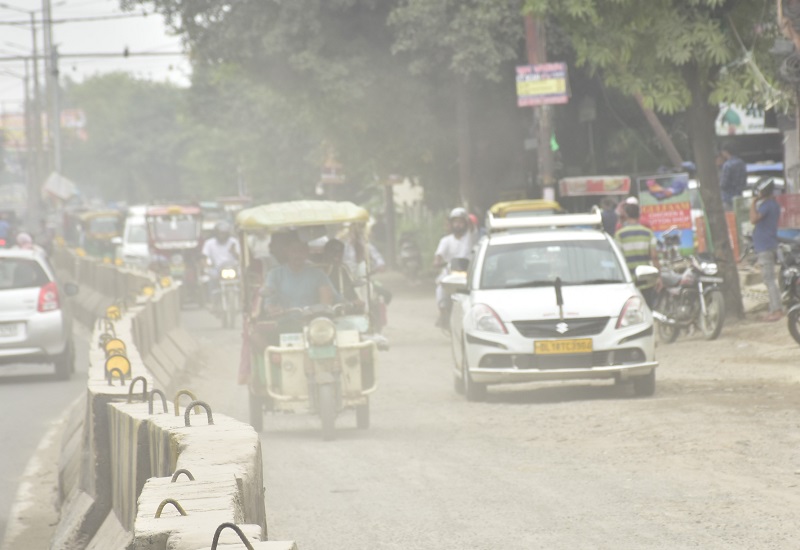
281, 215
94, 214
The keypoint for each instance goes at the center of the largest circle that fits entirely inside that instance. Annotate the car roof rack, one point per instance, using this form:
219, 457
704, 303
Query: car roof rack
574, 221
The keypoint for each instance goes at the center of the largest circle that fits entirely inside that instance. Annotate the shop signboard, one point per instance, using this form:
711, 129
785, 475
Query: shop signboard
543, 84
665, 203
594, 186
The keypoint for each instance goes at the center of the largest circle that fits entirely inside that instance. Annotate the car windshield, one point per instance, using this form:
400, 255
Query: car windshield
103, 225
137, 234
21, 273
175, 227
539, 264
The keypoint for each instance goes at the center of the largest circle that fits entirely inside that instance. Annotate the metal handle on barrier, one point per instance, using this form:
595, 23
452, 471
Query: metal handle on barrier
177, 474
150, 401
235, 528
175, 402
111, 376
144, 388
198, 404
172, 501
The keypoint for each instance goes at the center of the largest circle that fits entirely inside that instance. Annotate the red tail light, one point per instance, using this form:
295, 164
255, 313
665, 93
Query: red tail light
2, 242
48, 298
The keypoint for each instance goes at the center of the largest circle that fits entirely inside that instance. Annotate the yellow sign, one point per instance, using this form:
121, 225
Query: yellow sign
559, 347
118, 362
148, 290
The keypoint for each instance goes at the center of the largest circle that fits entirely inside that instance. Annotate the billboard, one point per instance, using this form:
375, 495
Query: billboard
544, 84
665, 203
735, 120
594, 186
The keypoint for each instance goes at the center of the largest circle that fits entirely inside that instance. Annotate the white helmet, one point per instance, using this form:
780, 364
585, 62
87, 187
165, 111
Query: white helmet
458, 213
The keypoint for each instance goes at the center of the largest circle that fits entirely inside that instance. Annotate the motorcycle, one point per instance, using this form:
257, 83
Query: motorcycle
409, 257
789, 260
691, 298
224, 296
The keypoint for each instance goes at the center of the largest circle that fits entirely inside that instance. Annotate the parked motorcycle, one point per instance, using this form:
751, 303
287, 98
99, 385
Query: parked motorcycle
789, 261
691, 298
409, 257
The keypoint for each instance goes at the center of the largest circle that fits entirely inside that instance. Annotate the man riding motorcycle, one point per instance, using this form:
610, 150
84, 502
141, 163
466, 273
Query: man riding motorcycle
458, 244
220, 250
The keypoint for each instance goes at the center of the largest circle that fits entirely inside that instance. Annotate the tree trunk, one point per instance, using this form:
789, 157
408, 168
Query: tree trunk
702, 116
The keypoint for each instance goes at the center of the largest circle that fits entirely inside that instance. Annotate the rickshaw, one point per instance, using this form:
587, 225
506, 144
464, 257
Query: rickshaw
98, 229
327, 361
175, 247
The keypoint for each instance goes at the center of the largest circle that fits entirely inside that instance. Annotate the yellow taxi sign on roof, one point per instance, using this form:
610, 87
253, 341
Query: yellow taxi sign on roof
529, 206
300, 214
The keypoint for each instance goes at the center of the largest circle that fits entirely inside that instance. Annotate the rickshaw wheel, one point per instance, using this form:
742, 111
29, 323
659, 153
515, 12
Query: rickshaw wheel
256, 403
327, 411
362, 416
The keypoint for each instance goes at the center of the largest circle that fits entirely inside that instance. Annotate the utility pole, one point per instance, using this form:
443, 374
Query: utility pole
536, 46
51, 80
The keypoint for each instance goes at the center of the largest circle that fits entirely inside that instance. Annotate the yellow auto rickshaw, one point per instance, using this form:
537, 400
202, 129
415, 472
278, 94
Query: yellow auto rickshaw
319, 359
97, 230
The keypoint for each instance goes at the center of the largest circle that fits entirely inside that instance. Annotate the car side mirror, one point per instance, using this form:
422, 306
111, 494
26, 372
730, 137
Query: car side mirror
646, 274
455, 283
71, 289
459, 264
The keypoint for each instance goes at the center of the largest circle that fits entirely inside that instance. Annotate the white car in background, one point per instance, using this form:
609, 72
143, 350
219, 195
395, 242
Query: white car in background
35, 317
133, 247
550, 298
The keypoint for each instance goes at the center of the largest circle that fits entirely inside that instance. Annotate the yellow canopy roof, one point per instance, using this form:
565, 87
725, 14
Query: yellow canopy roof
299, 214
93, 214
502, 209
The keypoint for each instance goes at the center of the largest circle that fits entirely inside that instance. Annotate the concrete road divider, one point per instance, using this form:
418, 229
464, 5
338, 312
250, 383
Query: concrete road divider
139, 472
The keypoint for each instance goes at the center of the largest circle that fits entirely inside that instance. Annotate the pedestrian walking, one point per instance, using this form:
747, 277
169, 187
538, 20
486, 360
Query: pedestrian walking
638, 244
609, 215
764, 215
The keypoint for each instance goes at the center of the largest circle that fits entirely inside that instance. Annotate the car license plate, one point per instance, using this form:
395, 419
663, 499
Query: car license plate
558, 347
9, 330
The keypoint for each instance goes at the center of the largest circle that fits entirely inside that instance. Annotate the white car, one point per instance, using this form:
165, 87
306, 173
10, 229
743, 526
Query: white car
133, 247
548, 298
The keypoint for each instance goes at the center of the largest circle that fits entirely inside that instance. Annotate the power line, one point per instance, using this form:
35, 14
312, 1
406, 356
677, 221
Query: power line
94, 55
21, 22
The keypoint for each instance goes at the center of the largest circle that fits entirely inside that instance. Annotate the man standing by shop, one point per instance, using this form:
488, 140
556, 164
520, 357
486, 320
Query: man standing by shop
733, 176
638, 245
764, 215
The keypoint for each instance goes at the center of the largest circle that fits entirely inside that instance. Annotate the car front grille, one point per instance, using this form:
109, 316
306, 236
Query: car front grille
566, 361
556, 328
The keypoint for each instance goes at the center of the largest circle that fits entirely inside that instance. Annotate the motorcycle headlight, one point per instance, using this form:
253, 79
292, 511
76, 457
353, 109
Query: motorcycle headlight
227, 273
632, 313
709, 268
321, 331
486, 319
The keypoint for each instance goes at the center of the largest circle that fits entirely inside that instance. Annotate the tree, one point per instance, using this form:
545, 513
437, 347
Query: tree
680, 56
134, 138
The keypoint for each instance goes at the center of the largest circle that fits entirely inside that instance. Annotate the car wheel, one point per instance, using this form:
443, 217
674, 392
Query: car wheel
65, 362
472, 390
645, 386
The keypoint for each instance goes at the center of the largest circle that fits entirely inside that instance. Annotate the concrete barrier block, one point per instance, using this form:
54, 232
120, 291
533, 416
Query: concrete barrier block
153, 533
69, 458
79, 521
266, 545
111, 535
202, 539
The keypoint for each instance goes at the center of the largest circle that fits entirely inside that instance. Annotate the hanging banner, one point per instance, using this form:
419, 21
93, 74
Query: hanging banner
665, 203
594, 185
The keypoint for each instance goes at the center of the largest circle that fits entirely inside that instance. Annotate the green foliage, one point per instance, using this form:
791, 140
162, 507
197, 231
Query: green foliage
134, 136
643, 47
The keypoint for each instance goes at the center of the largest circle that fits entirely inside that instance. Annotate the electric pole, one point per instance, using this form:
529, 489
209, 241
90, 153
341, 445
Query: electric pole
536, 46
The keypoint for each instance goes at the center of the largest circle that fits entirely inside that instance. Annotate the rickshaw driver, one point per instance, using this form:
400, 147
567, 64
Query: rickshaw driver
296, 283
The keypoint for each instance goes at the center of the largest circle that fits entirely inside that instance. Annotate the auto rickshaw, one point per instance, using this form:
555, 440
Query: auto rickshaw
176, 247
97, 231
324, 360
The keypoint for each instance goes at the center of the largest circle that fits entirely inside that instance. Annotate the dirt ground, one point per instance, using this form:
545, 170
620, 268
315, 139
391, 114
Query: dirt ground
711, 461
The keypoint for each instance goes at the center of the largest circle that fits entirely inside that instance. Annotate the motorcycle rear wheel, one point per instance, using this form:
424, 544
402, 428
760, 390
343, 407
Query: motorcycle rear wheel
794, 324
712, 323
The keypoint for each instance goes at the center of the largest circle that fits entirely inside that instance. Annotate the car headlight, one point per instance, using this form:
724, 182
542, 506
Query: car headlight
227, 273
633, 313
485, 319
321, 331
